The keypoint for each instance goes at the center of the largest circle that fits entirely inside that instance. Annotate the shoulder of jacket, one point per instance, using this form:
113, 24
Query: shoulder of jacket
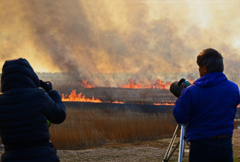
38, 92
191, 89
193, 86
231, 82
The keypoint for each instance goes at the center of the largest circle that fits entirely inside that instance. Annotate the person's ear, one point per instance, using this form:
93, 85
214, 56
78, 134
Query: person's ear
205, 70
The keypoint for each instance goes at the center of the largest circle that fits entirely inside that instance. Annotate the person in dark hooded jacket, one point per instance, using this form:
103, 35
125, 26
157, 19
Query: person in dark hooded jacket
24, 111
208, 107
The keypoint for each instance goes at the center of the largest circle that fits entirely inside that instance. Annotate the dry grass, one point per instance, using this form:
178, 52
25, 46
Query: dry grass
236, 124
83, 128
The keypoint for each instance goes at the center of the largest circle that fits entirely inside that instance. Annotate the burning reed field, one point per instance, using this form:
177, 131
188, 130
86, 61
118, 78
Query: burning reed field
92, 127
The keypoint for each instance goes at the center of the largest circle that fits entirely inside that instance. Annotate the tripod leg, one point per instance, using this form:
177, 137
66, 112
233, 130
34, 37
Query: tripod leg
175, 147
166, 157
181, 147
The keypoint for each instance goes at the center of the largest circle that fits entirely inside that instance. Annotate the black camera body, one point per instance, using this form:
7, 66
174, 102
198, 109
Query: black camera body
47, 86
177, 87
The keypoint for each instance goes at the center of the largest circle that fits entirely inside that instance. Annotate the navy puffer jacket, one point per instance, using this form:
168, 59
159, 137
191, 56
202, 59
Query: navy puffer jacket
24, 110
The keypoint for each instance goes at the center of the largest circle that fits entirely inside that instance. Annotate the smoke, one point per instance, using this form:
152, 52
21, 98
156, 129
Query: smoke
107, 42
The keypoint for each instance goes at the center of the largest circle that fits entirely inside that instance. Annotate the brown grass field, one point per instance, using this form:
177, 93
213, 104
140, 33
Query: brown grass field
110, 135
93, 127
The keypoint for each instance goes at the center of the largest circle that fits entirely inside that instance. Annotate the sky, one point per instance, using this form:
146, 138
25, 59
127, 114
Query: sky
117, 39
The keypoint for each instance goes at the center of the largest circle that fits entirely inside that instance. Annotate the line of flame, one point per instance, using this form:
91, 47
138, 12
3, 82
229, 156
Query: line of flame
132, 85
74, 97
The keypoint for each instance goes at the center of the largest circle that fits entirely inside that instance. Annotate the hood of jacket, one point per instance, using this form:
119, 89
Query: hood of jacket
18, 74
210, 79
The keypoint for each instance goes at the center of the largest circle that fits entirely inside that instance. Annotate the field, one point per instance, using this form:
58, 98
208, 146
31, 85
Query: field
94, 127
110, 135
104, 135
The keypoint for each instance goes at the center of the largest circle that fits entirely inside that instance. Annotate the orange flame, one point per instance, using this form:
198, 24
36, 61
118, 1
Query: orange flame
118, 102
166, 103
74, 97
131, 85
78, 97
81, 98
191, 81
158, 85
85, 84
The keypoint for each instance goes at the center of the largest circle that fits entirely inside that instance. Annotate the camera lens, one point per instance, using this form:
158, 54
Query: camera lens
175, 89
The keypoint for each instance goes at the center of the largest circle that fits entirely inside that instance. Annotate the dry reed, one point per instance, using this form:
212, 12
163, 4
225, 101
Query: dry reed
90, 127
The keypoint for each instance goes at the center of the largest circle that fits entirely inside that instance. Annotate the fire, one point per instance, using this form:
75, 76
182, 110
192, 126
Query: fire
158, 85
79, 97
131, 85
85, 84
74, 97
191, 81
165, 103
117, 102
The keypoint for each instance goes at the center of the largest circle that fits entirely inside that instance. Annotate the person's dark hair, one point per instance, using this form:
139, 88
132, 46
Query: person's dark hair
212, 59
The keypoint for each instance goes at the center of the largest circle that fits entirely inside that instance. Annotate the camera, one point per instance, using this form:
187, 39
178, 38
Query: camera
177, 87
47, 86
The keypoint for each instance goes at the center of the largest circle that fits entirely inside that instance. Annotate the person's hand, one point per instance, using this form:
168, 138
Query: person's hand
47, 86
183, 86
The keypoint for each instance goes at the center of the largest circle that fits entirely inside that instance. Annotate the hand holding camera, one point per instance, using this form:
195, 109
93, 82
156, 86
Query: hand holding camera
47, 86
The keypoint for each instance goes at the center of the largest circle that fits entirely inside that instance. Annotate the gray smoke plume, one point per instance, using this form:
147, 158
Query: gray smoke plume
108, 42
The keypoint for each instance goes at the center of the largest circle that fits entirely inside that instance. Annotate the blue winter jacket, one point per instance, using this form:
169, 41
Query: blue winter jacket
208, 107
24, 110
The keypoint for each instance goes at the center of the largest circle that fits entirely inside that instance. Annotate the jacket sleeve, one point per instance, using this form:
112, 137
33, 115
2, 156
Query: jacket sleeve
54, 108
182, 109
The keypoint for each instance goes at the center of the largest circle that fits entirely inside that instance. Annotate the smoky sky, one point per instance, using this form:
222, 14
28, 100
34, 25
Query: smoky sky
105, 41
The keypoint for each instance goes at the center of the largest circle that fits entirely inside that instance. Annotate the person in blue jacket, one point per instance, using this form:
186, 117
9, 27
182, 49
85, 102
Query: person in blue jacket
25, 108
208, 107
